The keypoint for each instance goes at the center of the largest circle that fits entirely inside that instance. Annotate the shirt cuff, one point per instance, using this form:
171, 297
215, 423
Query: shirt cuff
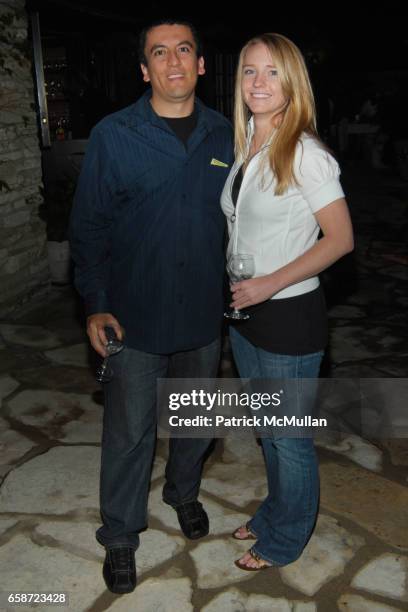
96, 303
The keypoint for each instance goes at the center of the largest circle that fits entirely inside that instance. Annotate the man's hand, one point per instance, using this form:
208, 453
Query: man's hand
96, 332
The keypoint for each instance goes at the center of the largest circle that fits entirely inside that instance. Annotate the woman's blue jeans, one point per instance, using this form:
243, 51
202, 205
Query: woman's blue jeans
285, 520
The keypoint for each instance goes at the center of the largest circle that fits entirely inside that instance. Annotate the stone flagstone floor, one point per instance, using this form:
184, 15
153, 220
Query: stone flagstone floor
50, 427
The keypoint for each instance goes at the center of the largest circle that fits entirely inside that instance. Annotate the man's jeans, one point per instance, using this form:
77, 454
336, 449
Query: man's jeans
284, 521
129, 437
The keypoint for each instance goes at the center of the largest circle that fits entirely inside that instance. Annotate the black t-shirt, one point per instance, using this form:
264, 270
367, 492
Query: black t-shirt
287, 326
182, 126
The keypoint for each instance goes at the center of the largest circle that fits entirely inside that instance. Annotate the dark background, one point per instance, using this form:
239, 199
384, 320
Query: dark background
352, 34
353, 50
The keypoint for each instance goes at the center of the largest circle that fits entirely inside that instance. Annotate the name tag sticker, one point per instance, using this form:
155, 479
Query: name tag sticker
216, 162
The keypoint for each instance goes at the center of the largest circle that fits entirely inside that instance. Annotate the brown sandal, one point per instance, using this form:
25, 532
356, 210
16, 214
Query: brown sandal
249, 536
262, 564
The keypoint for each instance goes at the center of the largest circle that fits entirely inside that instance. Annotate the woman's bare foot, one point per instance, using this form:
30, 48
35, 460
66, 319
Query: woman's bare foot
243, 533
251, 562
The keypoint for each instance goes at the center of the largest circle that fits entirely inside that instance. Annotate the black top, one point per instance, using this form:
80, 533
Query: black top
236, 185
287, 326
182, 126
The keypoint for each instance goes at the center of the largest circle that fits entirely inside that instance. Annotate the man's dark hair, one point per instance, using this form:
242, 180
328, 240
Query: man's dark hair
183, 22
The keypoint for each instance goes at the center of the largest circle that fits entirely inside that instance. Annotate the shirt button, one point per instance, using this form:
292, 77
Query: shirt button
232, 218
180, 299
181, 264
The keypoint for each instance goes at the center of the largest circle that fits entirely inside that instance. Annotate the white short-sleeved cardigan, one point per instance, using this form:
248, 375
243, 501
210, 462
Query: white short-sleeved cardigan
278, 229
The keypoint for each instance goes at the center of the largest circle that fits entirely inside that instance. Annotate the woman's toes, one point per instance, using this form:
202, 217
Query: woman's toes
246, 559
249, 561
252, 562
242, 533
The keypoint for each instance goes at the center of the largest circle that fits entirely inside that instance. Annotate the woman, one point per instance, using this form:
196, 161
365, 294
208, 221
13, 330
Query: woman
284, 188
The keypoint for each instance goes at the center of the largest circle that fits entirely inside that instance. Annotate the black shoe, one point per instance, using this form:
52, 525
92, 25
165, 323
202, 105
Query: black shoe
193, 520
119, 569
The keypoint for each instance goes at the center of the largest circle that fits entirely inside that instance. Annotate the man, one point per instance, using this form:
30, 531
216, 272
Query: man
147, 239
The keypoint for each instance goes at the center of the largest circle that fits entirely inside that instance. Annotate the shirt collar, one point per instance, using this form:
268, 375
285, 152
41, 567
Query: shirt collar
142, 111
250, 133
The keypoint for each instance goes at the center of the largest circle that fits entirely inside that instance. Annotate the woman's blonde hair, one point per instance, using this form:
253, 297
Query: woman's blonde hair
299, 114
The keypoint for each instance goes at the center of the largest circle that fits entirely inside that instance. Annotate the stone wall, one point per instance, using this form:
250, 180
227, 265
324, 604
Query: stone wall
23, 258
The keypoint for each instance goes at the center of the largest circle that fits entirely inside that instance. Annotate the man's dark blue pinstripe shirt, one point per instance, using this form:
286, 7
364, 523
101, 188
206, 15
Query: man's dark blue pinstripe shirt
147, 229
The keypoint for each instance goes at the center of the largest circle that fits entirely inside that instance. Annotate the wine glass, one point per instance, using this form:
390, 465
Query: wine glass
104, 373
240, 267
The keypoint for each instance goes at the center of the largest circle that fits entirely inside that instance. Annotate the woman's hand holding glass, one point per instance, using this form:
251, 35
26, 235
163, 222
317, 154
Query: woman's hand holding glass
253, 291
